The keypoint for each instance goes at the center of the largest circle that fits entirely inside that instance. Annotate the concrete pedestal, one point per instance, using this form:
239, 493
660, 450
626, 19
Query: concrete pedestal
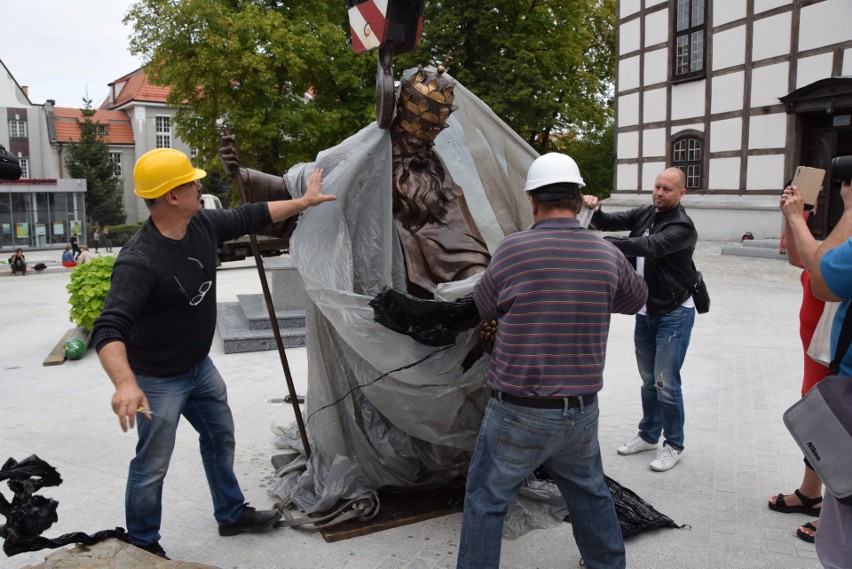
244, 326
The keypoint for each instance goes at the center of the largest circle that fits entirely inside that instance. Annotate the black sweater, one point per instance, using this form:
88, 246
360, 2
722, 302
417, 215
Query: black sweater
162, 299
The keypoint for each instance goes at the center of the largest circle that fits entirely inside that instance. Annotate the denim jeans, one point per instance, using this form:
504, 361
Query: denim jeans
513, 441
198, 394
661, 342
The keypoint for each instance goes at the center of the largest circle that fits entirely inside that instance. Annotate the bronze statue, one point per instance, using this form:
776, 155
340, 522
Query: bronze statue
395, 405
439, 238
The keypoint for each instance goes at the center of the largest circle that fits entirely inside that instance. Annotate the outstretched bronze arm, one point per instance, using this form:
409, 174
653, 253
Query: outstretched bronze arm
256, 186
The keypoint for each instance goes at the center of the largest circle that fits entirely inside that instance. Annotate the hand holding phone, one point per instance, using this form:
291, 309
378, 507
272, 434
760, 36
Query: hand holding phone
809, 181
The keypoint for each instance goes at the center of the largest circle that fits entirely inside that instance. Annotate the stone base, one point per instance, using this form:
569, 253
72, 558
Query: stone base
111, 554
765, 248
244, 326
238, 337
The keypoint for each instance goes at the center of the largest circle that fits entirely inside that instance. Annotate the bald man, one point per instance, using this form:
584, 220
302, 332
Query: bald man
660, 246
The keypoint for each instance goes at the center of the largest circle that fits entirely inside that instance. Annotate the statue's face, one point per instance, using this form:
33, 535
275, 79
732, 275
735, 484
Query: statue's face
425, 103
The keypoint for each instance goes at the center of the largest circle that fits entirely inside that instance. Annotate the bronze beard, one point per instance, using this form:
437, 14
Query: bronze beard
419, 194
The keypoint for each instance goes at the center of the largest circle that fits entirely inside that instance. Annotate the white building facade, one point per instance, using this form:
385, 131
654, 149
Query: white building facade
45, 207
737, 93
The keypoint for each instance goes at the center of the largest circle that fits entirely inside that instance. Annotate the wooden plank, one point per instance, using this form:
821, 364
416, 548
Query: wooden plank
57, 354
402, 508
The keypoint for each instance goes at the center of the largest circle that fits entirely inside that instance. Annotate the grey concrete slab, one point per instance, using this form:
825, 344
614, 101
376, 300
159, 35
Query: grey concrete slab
257, 314
238, 336
742, 371
745, 250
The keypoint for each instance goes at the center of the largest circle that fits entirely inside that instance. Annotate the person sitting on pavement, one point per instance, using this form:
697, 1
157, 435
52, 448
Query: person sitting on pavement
18, 262
68, 258
85, 256
154, 334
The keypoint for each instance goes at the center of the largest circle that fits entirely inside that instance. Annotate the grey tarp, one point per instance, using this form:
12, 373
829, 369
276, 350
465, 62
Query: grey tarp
383, 410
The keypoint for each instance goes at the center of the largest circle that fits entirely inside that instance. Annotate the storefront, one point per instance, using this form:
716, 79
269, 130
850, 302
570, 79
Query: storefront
37, 213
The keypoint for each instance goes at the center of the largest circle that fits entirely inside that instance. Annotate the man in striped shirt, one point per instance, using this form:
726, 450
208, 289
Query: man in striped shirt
552, 290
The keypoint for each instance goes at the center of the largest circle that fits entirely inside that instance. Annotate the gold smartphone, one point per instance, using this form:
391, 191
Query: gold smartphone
809, 181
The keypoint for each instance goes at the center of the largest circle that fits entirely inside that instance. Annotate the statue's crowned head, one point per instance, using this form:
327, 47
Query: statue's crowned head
425, 101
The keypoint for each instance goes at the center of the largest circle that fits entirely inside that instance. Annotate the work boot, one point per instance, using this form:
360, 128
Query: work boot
156, 549
250, 520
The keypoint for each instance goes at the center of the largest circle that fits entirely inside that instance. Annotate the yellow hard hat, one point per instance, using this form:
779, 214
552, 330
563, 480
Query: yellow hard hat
159, 171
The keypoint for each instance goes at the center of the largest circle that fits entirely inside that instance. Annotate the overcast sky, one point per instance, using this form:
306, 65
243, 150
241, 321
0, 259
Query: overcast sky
59, 49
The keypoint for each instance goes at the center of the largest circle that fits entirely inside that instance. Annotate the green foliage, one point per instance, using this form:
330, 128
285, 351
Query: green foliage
89, 159
118, 234
594, 154
546, 67
248, 64
88, 287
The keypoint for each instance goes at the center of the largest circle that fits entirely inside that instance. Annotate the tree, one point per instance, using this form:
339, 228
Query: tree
248, 65
89, 159
546, 67
594, 154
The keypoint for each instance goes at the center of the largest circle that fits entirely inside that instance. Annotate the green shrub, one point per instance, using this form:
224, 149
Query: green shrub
88, 287
118, 234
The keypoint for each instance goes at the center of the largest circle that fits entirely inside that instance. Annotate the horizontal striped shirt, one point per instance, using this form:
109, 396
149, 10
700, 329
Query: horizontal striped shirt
552, 290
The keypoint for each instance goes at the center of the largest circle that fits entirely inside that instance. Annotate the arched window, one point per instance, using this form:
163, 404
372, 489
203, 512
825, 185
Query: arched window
687, 155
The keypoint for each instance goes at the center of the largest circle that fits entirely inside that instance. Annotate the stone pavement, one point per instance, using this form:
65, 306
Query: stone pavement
742, 370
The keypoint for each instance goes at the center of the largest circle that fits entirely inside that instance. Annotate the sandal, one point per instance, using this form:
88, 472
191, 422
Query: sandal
808, 505
805, 536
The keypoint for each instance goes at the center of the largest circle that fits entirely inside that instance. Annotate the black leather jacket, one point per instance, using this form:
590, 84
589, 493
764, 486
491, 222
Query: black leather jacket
667, 249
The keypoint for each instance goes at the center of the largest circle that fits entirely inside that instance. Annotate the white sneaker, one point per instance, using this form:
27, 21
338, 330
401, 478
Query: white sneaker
638, 444
666, 459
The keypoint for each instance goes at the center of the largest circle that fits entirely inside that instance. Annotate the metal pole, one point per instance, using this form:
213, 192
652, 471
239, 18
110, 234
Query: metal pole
267, 296
270, 309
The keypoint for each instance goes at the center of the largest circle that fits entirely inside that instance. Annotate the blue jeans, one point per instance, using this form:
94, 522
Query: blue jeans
661, 343
513, 441
198, 394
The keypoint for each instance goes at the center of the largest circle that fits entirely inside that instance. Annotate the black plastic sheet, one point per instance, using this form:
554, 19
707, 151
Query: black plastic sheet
635, 515
28, 515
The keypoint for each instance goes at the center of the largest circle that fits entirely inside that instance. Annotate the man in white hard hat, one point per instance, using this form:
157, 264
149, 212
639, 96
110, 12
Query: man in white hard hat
552, 290
660, 245
153, 338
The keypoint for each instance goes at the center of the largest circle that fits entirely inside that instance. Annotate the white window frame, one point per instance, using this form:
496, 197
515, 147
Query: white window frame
17, 128
690, 28
164, 131
115, 159
25, 167
687, 155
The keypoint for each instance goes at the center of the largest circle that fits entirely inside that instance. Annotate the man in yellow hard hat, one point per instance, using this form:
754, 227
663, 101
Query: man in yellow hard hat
153, 338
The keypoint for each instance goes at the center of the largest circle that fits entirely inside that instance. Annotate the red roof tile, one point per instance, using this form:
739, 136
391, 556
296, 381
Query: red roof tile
135, 86
68, 122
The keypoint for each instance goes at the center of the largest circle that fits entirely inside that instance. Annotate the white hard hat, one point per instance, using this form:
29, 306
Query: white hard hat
553, 168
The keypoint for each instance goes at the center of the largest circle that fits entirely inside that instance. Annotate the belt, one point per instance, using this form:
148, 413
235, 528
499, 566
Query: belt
546, 402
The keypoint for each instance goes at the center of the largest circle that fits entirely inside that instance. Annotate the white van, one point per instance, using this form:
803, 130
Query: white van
209, 201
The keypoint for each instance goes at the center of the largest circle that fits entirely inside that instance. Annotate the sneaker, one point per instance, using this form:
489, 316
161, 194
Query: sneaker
155, 549
251, 520
666, 459
638, 444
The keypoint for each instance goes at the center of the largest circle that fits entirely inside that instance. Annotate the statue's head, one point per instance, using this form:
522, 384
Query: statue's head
425, 101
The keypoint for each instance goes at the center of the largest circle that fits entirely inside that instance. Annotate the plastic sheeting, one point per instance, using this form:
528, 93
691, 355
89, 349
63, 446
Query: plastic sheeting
28, 515
383, 410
